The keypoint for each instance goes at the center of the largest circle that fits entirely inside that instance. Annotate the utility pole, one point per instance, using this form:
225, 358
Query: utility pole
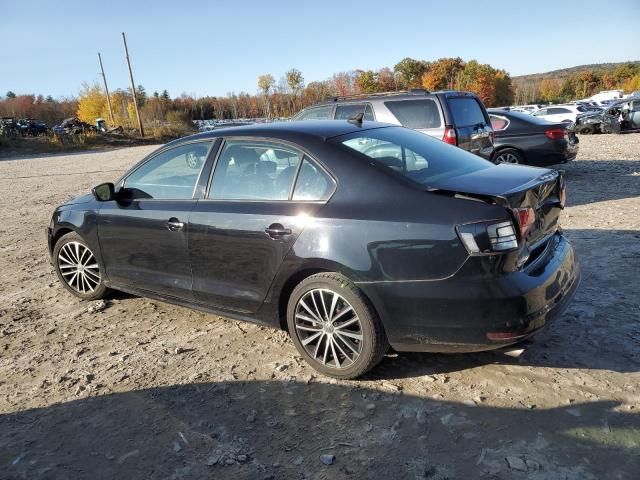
133, 85
106, 89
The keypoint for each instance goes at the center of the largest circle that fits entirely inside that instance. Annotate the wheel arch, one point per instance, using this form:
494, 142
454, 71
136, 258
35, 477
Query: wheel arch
501, 148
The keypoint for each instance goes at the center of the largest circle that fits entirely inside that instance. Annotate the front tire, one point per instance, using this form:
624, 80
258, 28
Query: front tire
334, 326
77, 268
509, 155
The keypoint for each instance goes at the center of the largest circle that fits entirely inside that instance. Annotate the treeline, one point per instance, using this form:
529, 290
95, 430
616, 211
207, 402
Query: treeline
47, 108
274, 98
576, 83
287, 95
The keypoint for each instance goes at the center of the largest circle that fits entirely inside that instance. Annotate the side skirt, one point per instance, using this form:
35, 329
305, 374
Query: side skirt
262, 317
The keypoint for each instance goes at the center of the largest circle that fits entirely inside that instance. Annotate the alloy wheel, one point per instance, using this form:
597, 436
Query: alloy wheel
507, 158
328, 328
78, 267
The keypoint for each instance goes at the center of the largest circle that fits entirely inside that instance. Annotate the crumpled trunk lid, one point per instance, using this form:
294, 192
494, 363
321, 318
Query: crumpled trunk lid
516, 187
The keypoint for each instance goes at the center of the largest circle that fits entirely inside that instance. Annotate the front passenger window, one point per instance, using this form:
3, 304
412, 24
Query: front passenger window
171, 174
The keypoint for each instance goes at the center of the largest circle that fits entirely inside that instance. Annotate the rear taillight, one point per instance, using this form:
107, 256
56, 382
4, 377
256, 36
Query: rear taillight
502, 236
450, 136
555, 133
526, 219
488, 237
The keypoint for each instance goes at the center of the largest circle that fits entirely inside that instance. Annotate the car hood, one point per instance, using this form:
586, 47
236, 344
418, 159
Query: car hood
498, 181
86, 198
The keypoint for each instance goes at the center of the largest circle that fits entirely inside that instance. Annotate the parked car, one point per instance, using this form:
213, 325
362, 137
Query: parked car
526, 139
457, 118
352, 236
8, 127
29, 127
560, 113
622, 116
73, 126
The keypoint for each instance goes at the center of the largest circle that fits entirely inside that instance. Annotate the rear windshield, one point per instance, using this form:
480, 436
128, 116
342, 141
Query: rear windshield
413, 154
466, 111
415, 113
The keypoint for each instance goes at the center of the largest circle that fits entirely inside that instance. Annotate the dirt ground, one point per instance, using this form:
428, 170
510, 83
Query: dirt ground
143, 389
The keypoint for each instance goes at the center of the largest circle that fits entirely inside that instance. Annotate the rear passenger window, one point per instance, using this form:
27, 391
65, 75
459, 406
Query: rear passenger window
466, 111
416, 113
312, 183
348, 111
254, 170
498, 123
318, 113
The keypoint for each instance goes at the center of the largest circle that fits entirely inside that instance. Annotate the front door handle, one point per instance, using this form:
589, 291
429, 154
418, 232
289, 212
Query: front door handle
276, 230
174, 224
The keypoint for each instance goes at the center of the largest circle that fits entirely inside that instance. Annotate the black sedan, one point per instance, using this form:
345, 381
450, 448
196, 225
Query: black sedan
352, 236
525, 139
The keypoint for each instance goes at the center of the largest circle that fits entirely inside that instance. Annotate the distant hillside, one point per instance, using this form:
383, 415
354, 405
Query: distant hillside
564, 73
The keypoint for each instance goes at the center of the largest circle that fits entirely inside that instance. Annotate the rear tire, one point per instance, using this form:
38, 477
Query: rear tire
77, 268
509, 155
334, 326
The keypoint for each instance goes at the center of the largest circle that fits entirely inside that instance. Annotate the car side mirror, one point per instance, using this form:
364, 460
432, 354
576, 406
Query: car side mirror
104, 192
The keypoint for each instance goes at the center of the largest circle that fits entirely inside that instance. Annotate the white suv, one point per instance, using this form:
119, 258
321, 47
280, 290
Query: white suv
560, 113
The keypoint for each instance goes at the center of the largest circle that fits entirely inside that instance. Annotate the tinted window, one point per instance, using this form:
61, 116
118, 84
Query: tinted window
254, 171
318, 113
466, 111
415, 155
556, 111
498, 123
541, 112
312, 183
171, 174
415, 113
347, 111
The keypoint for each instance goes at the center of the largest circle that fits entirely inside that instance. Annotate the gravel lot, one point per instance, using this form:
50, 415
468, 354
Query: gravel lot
143, 389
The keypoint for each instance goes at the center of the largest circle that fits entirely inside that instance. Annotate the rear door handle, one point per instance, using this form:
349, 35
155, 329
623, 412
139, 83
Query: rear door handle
276, 230
174, 224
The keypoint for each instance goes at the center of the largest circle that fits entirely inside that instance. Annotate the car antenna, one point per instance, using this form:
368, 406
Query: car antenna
357, 119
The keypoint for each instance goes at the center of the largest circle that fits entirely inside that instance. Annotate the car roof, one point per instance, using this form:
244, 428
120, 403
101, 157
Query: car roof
319, 129
414, 94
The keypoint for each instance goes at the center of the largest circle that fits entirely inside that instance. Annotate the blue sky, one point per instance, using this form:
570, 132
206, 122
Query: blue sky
211, 48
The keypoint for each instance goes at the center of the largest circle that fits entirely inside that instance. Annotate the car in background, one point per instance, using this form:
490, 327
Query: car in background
527, 108
526, 139
621, 116
73, 126
562, 113
351, 236
29, 127
457, 118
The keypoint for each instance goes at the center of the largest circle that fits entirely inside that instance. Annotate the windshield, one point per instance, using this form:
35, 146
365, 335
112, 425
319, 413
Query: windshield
415, 155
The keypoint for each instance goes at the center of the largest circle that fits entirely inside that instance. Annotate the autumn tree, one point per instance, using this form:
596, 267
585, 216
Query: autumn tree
265, 84
442, 74
410, 71
91, 103
366, 81
295, 82
550, 90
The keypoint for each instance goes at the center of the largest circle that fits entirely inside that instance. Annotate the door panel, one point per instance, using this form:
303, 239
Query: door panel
472, 128
234, 259
143, 235
142, 250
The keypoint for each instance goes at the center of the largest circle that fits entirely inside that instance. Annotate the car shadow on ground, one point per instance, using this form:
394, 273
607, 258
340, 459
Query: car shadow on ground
599, 329
591, 181
271, 429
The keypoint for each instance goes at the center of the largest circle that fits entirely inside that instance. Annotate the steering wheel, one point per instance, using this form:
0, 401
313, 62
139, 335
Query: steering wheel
193, 160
